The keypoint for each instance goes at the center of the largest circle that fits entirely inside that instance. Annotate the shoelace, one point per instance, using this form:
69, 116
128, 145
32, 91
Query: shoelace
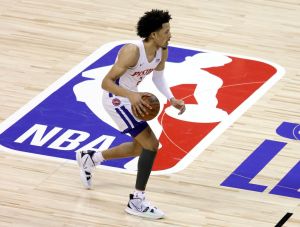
91, 158
146, 204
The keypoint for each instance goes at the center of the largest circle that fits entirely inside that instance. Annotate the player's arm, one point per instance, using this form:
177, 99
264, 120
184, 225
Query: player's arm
127, 57
159, 79
161, 84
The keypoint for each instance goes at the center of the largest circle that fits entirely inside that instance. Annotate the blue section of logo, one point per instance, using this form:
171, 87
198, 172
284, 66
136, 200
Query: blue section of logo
288, 186
241, 177
178, 54
289, 130
60, 124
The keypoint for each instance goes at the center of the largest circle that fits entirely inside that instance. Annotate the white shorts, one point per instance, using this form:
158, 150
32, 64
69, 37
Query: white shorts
119, 109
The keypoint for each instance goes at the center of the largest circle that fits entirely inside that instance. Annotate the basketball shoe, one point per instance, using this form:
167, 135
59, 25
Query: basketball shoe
86, 165
140, 207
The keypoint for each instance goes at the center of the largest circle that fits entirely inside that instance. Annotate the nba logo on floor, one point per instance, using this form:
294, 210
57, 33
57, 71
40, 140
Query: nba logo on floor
68, 116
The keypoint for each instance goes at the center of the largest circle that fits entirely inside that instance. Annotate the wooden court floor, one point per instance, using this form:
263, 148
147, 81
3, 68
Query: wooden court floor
42, 40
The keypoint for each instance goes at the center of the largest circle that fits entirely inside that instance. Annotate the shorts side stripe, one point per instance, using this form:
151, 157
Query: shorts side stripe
123, 118
129, 115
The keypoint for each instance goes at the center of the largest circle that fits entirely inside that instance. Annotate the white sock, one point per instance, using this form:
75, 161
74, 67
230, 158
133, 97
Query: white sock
98, 157
139, 194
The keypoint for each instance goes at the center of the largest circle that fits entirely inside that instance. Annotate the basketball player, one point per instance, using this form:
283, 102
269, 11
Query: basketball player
134, 62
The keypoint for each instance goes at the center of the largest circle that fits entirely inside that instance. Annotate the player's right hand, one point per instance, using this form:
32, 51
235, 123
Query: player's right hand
138, 104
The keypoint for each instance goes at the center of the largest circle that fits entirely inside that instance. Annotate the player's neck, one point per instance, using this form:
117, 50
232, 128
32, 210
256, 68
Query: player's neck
150, 49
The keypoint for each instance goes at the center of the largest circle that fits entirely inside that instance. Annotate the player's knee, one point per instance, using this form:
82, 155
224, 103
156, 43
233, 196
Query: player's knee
137, 149
137, 152
153, 145
156, 145
148, 140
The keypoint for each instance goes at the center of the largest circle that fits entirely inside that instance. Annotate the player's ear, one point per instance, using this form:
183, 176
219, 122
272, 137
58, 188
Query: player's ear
153, 35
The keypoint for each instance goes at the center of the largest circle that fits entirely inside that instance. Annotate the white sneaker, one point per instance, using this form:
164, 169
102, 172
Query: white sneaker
86, 165
140, 207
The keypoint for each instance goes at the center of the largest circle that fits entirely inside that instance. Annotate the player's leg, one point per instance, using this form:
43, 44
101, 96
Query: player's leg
127, 123
129, 149
87, 160
145, 145
149, 144
137, 204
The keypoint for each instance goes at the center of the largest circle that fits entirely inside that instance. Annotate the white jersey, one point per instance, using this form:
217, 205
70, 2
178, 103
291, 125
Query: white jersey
119, 108
134, 75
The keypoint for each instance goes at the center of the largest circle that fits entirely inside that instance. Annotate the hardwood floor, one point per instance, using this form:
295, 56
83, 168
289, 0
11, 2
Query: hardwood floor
40, 41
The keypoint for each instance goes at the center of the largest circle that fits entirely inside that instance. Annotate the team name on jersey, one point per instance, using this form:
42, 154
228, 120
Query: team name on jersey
142, 73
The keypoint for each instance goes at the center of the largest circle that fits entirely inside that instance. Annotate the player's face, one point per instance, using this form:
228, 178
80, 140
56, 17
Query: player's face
163, 36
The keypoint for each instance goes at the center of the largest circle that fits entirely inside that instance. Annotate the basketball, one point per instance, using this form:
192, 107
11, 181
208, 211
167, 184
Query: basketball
153, 101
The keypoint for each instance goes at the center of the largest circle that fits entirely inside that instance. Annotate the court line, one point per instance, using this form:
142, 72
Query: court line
294, 131
284, 219
249, 178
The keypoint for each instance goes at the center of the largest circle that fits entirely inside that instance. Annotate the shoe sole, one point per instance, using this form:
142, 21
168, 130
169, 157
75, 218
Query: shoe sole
130, 211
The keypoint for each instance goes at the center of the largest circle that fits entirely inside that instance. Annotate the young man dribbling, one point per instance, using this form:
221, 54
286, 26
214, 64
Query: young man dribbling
135, 61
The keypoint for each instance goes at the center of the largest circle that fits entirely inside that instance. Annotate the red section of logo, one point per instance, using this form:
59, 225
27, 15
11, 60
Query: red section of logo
241, 78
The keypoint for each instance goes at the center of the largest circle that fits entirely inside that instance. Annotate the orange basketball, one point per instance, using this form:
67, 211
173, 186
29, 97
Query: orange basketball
153, 101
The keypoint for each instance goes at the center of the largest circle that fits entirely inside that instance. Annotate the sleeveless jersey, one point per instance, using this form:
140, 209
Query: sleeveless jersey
119, 108
134, 75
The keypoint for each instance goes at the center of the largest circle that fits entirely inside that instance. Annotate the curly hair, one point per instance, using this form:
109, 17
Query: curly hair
152, 21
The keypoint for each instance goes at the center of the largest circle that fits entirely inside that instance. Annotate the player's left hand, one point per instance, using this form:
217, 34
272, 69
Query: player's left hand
178, 104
